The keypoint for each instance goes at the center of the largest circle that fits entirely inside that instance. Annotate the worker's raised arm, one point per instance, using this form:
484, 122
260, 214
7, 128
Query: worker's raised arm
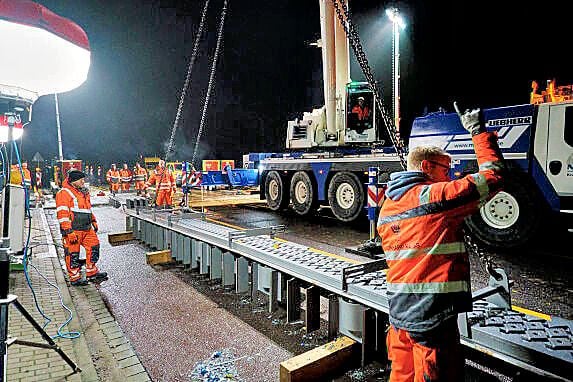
475, 189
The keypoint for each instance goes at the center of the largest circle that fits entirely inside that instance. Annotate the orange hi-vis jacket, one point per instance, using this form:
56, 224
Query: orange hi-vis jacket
162, 182
73, 209
140, 175
420, 224
125, 175
112, 176
362, 112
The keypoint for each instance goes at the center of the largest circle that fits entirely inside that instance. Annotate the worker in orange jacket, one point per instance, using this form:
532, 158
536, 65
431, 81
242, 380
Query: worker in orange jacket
428, 279
125, 175
113, 179
361, 110
139, 176
165, 187
27, 181
78, 226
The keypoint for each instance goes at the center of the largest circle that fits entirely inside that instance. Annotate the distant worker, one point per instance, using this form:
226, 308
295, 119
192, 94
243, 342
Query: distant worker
113, 178
90, 176
429, 276
38, 184
21, 175
38, 174
361, 110
125, 174
139, 176
78, 226
57, 171
27, 181
99, 176
164, 183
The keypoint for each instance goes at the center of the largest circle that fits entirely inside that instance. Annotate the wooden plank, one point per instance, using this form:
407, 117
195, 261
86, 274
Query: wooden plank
321, 362
158, 257
120, 237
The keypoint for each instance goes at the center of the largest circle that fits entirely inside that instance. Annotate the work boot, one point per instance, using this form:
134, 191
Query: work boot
79, 282
100, 276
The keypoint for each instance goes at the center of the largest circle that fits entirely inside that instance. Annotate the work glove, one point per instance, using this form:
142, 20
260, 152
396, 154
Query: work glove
472, 120
72, 238
94, 225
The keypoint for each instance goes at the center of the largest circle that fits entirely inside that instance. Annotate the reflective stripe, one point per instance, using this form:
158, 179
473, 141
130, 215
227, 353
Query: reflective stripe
82, 210
62, 208
76, 207
438, 249
425, 194
496, 166
432, 287
481, 185
64, 220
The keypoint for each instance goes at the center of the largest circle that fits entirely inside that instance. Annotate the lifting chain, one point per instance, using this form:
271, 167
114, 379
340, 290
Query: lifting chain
343, 15
482, 254
187, 79
211, 80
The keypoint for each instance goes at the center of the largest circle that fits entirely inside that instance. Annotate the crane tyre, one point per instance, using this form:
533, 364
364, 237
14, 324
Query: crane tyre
302, 193
346, 196
277, 198
510, 218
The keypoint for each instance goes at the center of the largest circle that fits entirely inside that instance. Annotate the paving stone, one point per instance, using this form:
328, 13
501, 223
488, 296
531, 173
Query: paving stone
118, 341
141, 377
120, 348
133, 370
124, 354
128, 362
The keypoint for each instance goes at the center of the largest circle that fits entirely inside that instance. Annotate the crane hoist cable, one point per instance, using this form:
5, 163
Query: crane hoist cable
211, 79
187, 79
169, 149
343, 15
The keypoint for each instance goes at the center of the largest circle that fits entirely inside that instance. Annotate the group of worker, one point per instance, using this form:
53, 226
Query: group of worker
161, 178
120, 180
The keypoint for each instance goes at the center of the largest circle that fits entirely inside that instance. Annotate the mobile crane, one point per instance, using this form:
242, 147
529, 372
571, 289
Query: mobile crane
330, 150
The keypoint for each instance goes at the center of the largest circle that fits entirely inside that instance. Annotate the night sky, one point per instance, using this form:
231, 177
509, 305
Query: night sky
478, 53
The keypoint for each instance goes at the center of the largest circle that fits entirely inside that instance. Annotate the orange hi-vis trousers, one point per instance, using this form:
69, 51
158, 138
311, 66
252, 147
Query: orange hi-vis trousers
114, 187
163, 198
439, 360
90, 242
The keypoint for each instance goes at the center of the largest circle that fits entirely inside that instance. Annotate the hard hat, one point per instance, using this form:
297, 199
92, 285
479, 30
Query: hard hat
361, 98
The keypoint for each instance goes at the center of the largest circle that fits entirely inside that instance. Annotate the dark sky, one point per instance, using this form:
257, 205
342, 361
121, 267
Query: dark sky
481, 53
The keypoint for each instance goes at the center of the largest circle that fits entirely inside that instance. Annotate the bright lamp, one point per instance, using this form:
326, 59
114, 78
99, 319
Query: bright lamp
43, 54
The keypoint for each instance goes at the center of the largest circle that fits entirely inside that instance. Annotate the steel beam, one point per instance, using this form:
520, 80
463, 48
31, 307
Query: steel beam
242, 275
312, 312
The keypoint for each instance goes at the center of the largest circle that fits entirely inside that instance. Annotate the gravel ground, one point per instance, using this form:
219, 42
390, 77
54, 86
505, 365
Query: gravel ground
171, 325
